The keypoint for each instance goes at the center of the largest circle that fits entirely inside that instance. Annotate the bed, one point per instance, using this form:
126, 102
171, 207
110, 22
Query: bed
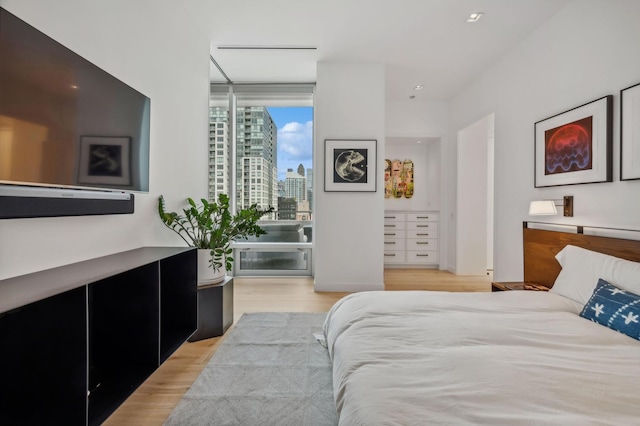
504, 358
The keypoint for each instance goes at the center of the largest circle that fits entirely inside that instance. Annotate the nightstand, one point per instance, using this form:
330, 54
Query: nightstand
517, 285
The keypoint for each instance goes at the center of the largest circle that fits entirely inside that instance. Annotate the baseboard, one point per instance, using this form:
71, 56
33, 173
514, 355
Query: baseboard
411, 266
346, 287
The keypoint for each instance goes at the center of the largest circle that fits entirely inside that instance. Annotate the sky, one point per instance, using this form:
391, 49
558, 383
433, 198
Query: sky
295, 136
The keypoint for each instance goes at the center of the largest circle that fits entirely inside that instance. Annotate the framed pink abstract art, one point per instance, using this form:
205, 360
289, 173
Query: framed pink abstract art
575, 146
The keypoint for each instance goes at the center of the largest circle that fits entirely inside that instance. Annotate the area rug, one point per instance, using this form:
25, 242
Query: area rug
269, 370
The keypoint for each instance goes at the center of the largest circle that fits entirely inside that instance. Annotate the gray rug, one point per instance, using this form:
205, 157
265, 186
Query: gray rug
269, 370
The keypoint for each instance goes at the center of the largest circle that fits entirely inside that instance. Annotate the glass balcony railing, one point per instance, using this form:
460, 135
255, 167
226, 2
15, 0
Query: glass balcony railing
283, 231
256, 260
284, 250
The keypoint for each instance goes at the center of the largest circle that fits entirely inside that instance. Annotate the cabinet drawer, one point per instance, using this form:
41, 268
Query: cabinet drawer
391, 226
394, 243
422, 244
422, 256
394, 217
390, 233
422, 226
394, 256
422, 233
422, 217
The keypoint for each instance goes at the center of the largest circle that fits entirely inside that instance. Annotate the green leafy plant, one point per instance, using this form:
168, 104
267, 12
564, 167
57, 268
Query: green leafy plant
210, 225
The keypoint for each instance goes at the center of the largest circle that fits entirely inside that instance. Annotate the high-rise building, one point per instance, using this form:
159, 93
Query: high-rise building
280, 188
295, 186
309, 178
256, 166
219, 152
301, 170
310, 186
257, 172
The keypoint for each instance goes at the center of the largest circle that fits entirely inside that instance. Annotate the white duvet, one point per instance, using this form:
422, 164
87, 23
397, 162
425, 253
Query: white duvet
507, 358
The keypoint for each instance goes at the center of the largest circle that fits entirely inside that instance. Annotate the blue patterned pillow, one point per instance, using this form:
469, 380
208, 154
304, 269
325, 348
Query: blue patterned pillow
615, 308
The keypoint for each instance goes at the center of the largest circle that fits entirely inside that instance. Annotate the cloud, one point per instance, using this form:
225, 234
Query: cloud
295, 146
295, 141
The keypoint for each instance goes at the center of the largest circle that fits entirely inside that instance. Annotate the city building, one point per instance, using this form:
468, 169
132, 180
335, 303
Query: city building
295, 186
219, 152
303, 211
286, 208
310, 187
256, 167
257, 172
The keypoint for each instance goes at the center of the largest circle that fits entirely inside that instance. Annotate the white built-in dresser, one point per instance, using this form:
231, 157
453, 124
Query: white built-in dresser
411, 238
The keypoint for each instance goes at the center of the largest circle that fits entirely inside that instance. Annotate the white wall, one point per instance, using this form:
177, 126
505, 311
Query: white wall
348, 252
413, 118
152, 46
586, 51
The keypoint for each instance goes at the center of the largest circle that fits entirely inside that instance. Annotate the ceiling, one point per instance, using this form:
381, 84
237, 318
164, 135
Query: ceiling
421, 42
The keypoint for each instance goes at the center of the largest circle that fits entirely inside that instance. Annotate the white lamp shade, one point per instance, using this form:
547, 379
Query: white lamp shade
542, 208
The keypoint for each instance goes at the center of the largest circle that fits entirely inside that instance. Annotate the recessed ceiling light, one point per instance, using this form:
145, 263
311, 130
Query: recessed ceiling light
418, 141
474, 17
418, 87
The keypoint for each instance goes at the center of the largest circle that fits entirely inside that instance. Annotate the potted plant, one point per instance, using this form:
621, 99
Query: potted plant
210, 227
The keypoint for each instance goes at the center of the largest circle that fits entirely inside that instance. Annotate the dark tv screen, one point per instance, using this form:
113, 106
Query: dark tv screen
65, 122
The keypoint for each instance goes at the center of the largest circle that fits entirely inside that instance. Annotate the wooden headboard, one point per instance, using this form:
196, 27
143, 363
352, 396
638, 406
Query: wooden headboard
541, 246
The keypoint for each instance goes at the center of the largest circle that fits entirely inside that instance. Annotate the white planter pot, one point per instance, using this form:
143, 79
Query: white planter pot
206, 274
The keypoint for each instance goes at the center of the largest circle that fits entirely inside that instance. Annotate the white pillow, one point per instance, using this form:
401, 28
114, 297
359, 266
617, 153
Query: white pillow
581, 270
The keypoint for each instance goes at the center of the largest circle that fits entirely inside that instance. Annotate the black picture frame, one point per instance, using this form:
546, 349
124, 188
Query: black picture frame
350, 165
630, 133
575, 146
105, 160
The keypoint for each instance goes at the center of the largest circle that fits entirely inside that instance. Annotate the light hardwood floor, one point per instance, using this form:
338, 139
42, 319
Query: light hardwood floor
152, 403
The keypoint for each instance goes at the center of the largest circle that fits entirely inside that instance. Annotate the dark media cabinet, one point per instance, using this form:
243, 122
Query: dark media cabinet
77, 340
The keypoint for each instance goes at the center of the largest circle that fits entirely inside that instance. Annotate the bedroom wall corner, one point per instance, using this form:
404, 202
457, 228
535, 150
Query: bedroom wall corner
348, 251
535, 80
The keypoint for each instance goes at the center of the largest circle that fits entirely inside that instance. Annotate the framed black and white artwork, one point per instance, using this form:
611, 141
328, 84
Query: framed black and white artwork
104, 160
350, 165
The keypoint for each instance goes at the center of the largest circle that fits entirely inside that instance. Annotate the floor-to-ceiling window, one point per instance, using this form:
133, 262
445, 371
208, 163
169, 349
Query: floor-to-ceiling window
260, 152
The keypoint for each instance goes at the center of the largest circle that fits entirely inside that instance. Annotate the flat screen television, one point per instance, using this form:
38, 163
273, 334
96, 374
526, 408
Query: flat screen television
64, 122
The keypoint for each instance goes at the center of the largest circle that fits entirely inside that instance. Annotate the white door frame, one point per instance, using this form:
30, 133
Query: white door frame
474, 198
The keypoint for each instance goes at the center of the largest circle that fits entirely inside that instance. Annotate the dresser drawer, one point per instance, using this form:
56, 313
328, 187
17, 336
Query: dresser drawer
390, 233
394, 243
422, 226
391, 226
422, 244
423, 233
394, 256
394, 217
422, 217
422, 256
